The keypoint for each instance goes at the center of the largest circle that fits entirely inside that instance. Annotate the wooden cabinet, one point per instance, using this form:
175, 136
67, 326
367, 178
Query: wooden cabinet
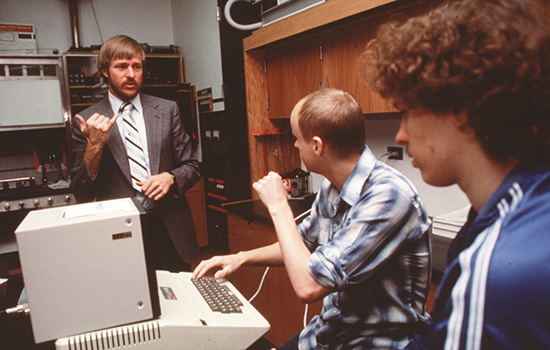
342, 50
195, 197
276, 301
319, 47
292, 71
328, 60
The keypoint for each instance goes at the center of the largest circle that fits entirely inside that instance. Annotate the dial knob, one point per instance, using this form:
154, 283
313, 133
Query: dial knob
36, 202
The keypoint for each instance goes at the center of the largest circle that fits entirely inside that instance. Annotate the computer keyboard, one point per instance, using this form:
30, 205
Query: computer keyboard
219, 297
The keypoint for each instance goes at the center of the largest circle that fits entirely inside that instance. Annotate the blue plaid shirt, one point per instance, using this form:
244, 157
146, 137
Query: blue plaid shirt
370, 243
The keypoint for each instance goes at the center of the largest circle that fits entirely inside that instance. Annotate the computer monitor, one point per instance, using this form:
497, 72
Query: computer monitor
88, 286
84, 268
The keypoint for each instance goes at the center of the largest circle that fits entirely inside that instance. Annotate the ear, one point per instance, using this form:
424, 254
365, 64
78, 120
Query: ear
462, 123
105, 73
318, 145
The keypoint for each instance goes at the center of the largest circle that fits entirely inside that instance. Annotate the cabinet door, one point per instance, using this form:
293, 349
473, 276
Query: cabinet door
342, 50
343, 47
293, 71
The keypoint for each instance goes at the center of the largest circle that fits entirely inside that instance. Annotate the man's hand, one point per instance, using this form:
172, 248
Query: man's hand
271, 190
227, 264
97, 128
295, 254
157, 186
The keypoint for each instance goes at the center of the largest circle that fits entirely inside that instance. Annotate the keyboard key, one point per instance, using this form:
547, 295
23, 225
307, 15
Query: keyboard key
217, 296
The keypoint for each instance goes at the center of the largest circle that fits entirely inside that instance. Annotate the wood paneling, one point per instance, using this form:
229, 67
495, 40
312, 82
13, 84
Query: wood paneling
195, 197
283, 63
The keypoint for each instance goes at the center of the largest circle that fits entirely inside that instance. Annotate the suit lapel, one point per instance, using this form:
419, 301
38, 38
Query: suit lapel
154, 131
115, 144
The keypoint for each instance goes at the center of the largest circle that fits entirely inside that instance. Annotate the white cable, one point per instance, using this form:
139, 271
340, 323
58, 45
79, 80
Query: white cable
307, 305
305, 315
302, 215
267, 268
19, 309
388, 154
260, 286
229, 19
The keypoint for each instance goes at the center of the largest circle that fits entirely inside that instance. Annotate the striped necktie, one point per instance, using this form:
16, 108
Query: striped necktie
136, 156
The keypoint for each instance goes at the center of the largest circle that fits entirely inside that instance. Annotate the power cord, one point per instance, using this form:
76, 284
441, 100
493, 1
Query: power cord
305, 315
388, 155
260, 286
305, 213
302, 215
19, 309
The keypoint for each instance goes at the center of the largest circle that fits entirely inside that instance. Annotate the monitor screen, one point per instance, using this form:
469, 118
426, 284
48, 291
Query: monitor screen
32, 90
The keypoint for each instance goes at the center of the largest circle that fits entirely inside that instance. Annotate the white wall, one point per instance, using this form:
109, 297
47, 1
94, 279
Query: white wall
197, 34
49, 17
146, 21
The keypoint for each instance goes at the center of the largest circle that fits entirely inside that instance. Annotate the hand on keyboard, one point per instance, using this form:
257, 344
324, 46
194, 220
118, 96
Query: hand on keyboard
226, 263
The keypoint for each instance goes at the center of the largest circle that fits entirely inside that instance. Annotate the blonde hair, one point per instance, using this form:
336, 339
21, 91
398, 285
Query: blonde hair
118, 46
336, 118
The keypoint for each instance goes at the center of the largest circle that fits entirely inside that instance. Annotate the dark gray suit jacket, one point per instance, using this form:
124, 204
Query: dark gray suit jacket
169, 150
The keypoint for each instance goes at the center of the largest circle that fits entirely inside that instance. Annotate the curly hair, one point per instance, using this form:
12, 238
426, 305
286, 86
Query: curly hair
335, 117
487, 58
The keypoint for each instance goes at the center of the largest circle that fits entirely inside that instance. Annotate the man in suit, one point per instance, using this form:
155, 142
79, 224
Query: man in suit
161, 166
